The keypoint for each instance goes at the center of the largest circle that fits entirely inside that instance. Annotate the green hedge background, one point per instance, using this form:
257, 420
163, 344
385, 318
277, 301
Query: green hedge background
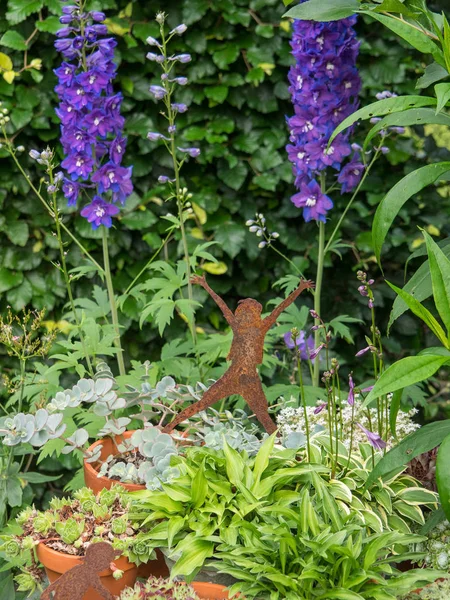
238, 97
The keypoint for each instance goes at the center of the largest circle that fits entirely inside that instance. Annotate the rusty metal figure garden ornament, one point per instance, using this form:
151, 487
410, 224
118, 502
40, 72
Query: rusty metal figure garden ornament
73, 584
246, 353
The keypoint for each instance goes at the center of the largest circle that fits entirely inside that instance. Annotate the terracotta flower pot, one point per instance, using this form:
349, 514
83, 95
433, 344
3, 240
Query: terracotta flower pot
210, 591
157, 567
57, 563
95, 483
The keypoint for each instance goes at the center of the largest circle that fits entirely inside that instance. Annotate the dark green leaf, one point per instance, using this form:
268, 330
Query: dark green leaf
393, 411
19, 10
383, 107
9, 279
20, 296
235, 177
424, 439
323, 10
394, 200
216, 93
13, 491
49, 25
38, 477
443, 95
231, 237
440, 279
406, 372
18, 232
13, 39
433, 73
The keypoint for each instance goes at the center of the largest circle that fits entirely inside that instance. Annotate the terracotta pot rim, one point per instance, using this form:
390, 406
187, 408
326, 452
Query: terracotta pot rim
104, 481
47, 556
205, 588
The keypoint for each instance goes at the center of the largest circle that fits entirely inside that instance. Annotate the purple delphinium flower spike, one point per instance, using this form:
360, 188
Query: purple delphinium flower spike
304, 345
373, 438
324, 86
91, 124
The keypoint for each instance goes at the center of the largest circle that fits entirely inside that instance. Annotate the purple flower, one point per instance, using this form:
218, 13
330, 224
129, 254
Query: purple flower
158, 92
351, 175
324, 86
373, 438
351, 393
316, 352
91, 123
115, 178
313, 201
183, 58
151, 41
99, 212
304, 345
367, 389
365, 350
194, 152
320, 408
154, 136
165, 179
178, 107
159, 58
179, 30
179, 80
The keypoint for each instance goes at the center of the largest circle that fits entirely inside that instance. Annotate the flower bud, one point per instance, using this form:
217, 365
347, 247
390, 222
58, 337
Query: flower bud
179, 30
151, 41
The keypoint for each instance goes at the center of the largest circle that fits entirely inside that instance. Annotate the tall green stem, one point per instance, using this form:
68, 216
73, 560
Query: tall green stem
317, 296
303, 399
112, 301
178, 191
67, 280
49, 209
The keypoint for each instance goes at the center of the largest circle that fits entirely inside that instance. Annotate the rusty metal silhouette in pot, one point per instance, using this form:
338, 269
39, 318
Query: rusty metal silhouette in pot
246, 353
73, 584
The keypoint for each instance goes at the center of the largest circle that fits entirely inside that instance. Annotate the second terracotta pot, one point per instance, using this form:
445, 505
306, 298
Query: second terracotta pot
57, 563
210, 591
95, 483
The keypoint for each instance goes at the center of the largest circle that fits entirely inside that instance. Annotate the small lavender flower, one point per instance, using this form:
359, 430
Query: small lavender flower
179, 107
320, 408
193, 152
179, 30
157, 92
305, 345
316, 352
373, 438
351, 393
183, 58
365, 350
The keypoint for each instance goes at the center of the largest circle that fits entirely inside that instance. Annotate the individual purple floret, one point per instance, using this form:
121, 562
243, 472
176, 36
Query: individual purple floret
304, 345
89, 111
373, 438
324, 86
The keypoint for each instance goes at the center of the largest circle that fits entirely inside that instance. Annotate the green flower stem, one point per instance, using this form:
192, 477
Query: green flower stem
303, 399
317, 297
176, 167
23, 364
352, 199
112, 301
67, 278
142, 271
50, 211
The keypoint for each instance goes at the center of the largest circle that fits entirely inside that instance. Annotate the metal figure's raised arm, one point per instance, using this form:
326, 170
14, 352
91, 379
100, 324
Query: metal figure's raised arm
272, 318
227, 313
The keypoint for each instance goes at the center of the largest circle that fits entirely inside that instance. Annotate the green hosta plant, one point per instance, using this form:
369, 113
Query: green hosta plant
221, 497
159, 589
70, 525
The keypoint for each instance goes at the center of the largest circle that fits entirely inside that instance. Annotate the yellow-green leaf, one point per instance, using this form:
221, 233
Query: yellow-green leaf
5, 62
9, 76
218, 268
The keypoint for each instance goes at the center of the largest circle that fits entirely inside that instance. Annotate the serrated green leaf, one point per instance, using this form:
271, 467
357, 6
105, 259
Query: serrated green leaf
13, 39
19, 10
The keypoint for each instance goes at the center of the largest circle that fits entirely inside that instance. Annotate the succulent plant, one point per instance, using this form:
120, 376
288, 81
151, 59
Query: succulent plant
440, 590
158, 589
155, 449
437, 547
69, 530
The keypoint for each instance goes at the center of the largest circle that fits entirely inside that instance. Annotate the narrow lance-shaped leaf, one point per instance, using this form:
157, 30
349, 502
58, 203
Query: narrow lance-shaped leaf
412, 35
440, 279
401, 192
424, 439
423, 313
406, 372
414, 116
381, 108
443, 475
419, 286
393, 411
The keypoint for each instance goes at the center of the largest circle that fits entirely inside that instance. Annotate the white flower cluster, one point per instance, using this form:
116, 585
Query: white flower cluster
293, 420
